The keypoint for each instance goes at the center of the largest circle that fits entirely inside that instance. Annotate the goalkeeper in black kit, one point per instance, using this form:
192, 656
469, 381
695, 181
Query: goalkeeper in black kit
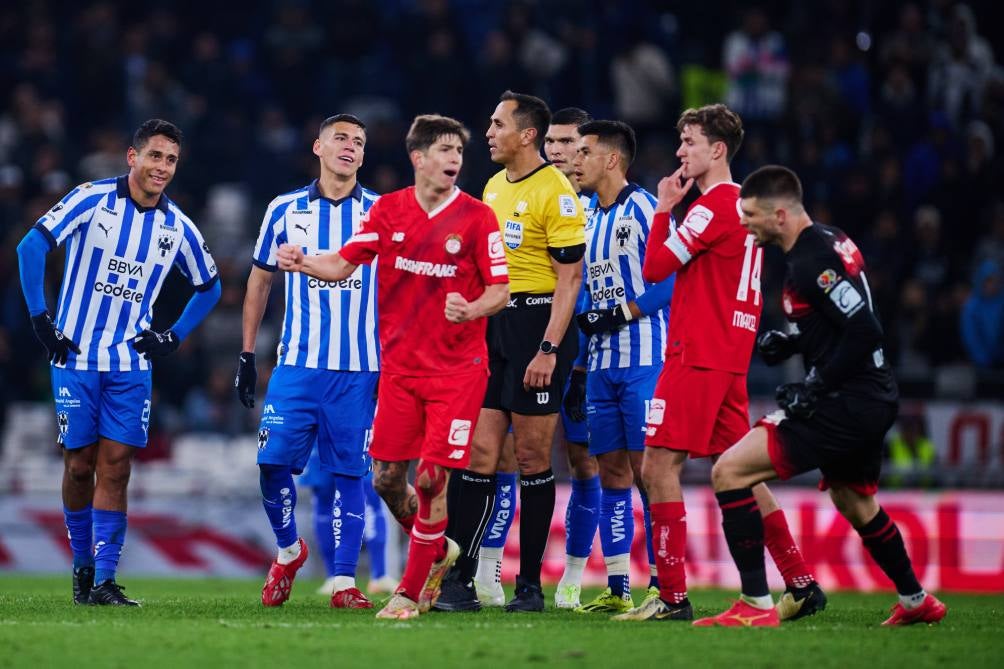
834, 421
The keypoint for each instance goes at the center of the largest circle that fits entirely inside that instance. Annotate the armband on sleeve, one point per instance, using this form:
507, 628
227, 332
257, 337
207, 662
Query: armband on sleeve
566, 255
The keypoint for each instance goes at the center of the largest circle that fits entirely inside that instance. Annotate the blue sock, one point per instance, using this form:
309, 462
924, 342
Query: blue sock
324, 499
109, 535
79, 527
348, 522
581, 516
653, 580
278, 496
616, 532
503, 511
375, 531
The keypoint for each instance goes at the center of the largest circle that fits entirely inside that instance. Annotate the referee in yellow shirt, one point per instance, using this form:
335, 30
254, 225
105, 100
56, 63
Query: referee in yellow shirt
530, 348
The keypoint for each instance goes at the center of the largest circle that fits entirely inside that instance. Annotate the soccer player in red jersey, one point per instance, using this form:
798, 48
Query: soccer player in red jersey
441, 270
700, 406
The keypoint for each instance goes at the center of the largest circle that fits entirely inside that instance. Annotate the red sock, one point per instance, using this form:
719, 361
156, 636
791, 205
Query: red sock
669, 539
784, 551
407, 522
425, 547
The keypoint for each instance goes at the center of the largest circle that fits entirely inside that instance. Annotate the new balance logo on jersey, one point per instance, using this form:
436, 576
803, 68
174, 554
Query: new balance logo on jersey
165, 243
543, 398
397, 237
460, 434
64, 391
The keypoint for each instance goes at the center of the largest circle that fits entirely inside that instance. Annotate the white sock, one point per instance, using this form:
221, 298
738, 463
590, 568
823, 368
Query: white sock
488, 562
912, 601
574, 566
765, 602
344, 583
289, 553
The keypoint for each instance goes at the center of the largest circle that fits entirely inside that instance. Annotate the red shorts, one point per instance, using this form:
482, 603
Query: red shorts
699, 411
428, 417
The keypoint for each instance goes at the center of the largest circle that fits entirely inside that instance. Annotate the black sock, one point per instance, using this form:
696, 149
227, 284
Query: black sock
743, 529
469, 501
536, 499
882, 539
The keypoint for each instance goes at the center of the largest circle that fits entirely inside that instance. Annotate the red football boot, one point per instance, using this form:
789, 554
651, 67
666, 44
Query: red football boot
279, 581
930, 611
350, 598
742, 614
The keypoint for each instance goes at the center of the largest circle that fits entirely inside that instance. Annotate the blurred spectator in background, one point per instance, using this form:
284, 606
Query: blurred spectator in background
983, 317
911, 454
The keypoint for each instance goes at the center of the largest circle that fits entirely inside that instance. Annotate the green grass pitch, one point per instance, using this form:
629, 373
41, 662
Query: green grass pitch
220, 623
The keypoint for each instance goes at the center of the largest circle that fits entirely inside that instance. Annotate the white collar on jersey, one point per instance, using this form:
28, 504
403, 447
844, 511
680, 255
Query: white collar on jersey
446, 203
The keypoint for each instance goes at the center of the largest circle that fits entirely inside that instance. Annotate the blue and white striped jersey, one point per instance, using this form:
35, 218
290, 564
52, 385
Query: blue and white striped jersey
615, 251
326, 325
117, 257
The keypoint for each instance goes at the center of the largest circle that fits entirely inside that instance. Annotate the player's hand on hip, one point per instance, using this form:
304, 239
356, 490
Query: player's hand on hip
672, 189
246, 380
539, 371
57, 345
458, 309
156, 344
290, 258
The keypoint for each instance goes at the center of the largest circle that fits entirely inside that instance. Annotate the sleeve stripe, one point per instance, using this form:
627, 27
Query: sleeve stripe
261, 265
48, 235
364, 237
678, 248
203, 287
500, 270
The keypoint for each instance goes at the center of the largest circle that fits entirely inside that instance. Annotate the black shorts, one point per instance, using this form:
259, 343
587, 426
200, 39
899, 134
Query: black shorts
844, 440
514, 336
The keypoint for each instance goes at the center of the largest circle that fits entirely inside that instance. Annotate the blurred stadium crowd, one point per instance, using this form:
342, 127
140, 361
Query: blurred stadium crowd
890, 112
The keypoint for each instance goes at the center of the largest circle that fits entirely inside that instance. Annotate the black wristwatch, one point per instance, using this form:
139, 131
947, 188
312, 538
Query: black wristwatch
547, 347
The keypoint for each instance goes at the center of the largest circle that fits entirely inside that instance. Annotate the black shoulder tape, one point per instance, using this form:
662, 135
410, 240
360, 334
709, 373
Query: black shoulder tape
566, 255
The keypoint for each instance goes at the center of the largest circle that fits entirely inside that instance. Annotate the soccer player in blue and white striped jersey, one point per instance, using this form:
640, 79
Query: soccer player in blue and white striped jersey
626, 322
122, 236
324, 385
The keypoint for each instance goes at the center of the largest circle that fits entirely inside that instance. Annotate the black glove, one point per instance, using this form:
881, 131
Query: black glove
799, 399
156, 344
246, 380
775, 346
596, 321
57, 345
575, 398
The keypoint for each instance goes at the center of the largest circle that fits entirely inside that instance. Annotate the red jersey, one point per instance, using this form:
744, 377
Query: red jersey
716, 305
457, 248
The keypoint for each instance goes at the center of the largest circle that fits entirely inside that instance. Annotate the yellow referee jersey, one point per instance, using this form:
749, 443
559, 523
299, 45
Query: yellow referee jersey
535, 212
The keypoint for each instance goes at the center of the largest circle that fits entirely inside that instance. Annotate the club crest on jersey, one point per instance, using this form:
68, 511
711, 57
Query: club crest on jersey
623, 231
263, 438
453, 243
827, 280
165, 243
513, 234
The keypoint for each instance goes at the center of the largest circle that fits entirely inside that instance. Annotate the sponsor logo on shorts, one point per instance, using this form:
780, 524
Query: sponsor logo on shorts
460, 435
656, 411
64, 391
543, 398
263, 438
457, 454
63, 421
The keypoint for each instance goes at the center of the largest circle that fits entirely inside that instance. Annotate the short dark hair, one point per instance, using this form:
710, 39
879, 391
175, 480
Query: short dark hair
427, 128
772, 181
155, 126
615, 134
340, 118
718, 123
530, 112
570, 116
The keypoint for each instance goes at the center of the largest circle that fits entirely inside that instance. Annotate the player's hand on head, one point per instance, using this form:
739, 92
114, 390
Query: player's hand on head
575, 398
156, 344
672, 189
775, 346
290, 258
538, 372
246, 379
57, 345
457, 308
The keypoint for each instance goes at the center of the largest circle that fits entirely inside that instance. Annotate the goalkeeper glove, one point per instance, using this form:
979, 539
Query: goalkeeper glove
246, 380
799, 399
596, 321
57, 345
156, 344
776, 346
575, 397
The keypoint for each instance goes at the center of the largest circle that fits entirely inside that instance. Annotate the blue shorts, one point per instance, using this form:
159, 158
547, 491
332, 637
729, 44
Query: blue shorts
304, 406
577, 433
113, 405
617, 407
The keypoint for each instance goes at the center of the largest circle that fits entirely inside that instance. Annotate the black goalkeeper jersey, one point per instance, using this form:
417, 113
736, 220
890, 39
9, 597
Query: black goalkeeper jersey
826, 296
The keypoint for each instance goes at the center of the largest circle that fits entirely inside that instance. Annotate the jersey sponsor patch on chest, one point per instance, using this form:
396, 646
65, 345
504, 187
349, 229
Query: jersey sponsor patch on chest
513, 234
846, 297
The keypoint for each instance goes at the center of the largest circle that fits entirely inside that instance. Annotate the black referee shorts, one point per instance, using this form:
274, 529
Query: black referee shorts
844, 440
514, 336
